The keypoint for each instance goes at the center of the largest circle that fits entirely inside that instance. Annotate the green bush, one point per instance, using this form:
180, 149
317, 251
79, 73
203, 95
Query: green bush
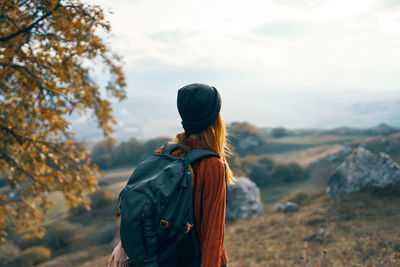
101, 198
287, 173
250, 161
278, 132
34, 255
261, 172
9, 255
106, 155
261, 175
264, 172
107, 234
61, 234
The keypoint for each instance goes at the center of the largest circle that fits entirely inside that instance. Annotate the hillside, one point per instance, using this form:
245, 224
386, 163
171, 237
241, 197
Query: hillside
362, 228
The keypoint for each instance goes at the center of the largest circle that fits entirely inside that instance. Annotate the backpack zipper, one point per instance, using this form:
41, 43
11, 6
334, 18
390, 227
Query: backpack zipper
146, 248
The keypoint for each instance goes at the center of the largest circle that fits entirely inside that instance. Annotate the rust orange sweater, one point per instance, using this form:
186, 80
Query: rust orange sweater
209, 206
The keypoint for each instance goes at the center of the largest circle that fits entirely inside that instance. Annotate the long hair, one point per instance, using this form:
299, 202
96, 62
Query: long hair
213, 138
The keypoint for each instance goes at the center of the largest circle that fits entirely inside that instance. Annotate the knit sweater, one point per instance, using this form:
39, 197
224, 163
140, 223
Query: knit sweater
209, 206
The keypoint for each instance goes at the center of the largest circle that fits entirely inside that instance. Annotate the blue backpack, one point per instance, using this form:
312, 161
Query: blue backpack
157, 222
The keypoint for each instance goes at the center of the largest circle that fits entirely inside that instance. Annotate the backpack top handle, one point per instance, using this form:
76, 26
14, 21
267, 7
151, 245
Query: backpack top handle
171, 147
191, 155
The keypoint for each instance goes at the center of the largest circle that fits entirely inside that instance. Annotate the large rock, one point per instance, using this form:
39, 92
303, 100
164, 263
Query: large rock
243, 200
363, 169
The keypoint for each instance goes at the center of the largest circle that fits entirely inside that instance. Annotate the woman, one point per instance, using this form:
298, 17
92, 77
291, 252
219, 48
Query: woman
199, 106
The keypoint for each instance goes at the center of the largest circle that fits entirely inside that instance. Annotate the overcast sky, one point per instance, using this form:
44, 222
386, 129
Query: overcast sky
277, 62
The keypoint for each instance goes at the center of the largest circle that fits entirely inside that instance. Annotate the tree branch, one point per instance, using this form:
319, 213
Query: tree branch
26, 29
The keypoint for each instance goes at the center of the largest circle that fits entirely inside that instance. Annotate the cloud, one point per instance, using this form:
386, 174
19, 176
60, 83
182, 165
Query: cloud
287, 30
170, 36
392, 3
250, 50
302, 4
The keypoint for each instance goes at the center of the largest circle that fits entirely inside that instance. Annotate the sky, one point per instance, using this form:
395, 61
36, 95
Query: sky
295, 63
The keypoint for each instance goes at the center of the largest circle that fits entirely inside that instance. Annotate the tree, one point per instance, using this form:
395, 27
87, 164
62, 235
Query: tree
46, 50
278, 132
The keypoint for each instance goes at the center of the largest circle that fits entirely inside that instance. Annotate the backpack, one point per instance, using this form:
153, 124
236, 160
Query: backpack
156, 206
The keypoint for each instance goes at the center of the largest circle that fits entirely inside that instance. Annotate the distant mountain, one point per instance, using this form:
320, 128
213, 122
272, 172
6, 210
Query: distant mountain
380, 129
365, 114
151, 115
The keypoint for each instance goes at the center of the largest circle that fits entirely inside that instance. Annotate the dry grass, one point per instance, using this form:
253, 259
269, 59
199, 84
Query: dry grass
305, 157
94, 257
116, 175
363, 230
315, 140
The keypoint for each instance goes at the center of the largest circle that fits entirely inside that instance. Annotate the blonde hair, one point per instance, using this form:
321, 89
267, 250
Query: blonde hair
213, 138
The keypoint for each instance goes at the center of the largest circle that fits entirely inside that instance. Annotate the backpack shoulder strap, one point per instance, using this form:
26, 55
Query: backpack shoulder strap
199, 153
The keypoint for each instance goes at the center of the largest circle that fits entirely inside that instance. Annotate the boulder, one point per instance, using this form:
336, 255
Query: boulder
345, 151
363, 169
288, 207
321, 235
243, 200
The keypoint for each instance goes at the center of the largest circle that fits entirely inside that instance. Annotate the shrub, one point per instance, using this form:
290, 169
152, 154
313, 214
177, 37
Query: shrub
261, 173
101, 198
61, 235
25, 243
34, 255
9, 255
287, 173
278, 132
107, 234
250, 161
264, 171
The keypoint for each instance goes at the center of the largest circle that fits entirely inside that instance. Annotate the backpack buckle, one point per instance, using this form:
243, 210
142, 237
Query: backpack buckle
189, 226
164, 224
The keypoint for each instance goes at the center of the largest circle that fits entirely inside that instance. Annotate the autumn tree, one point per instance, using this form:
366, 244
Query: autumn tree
47, 52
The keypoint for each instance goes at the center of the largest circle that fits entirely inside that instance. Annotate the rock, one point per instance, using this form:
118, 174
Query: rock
363, 169
332, 158
243, 200
278, 207
363, 145
249, 142
288, 207
321, 235
345, 151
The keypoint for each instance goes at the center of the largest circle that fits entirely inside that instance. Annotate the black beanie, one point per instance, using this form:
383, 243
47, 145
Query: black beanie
198, 106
